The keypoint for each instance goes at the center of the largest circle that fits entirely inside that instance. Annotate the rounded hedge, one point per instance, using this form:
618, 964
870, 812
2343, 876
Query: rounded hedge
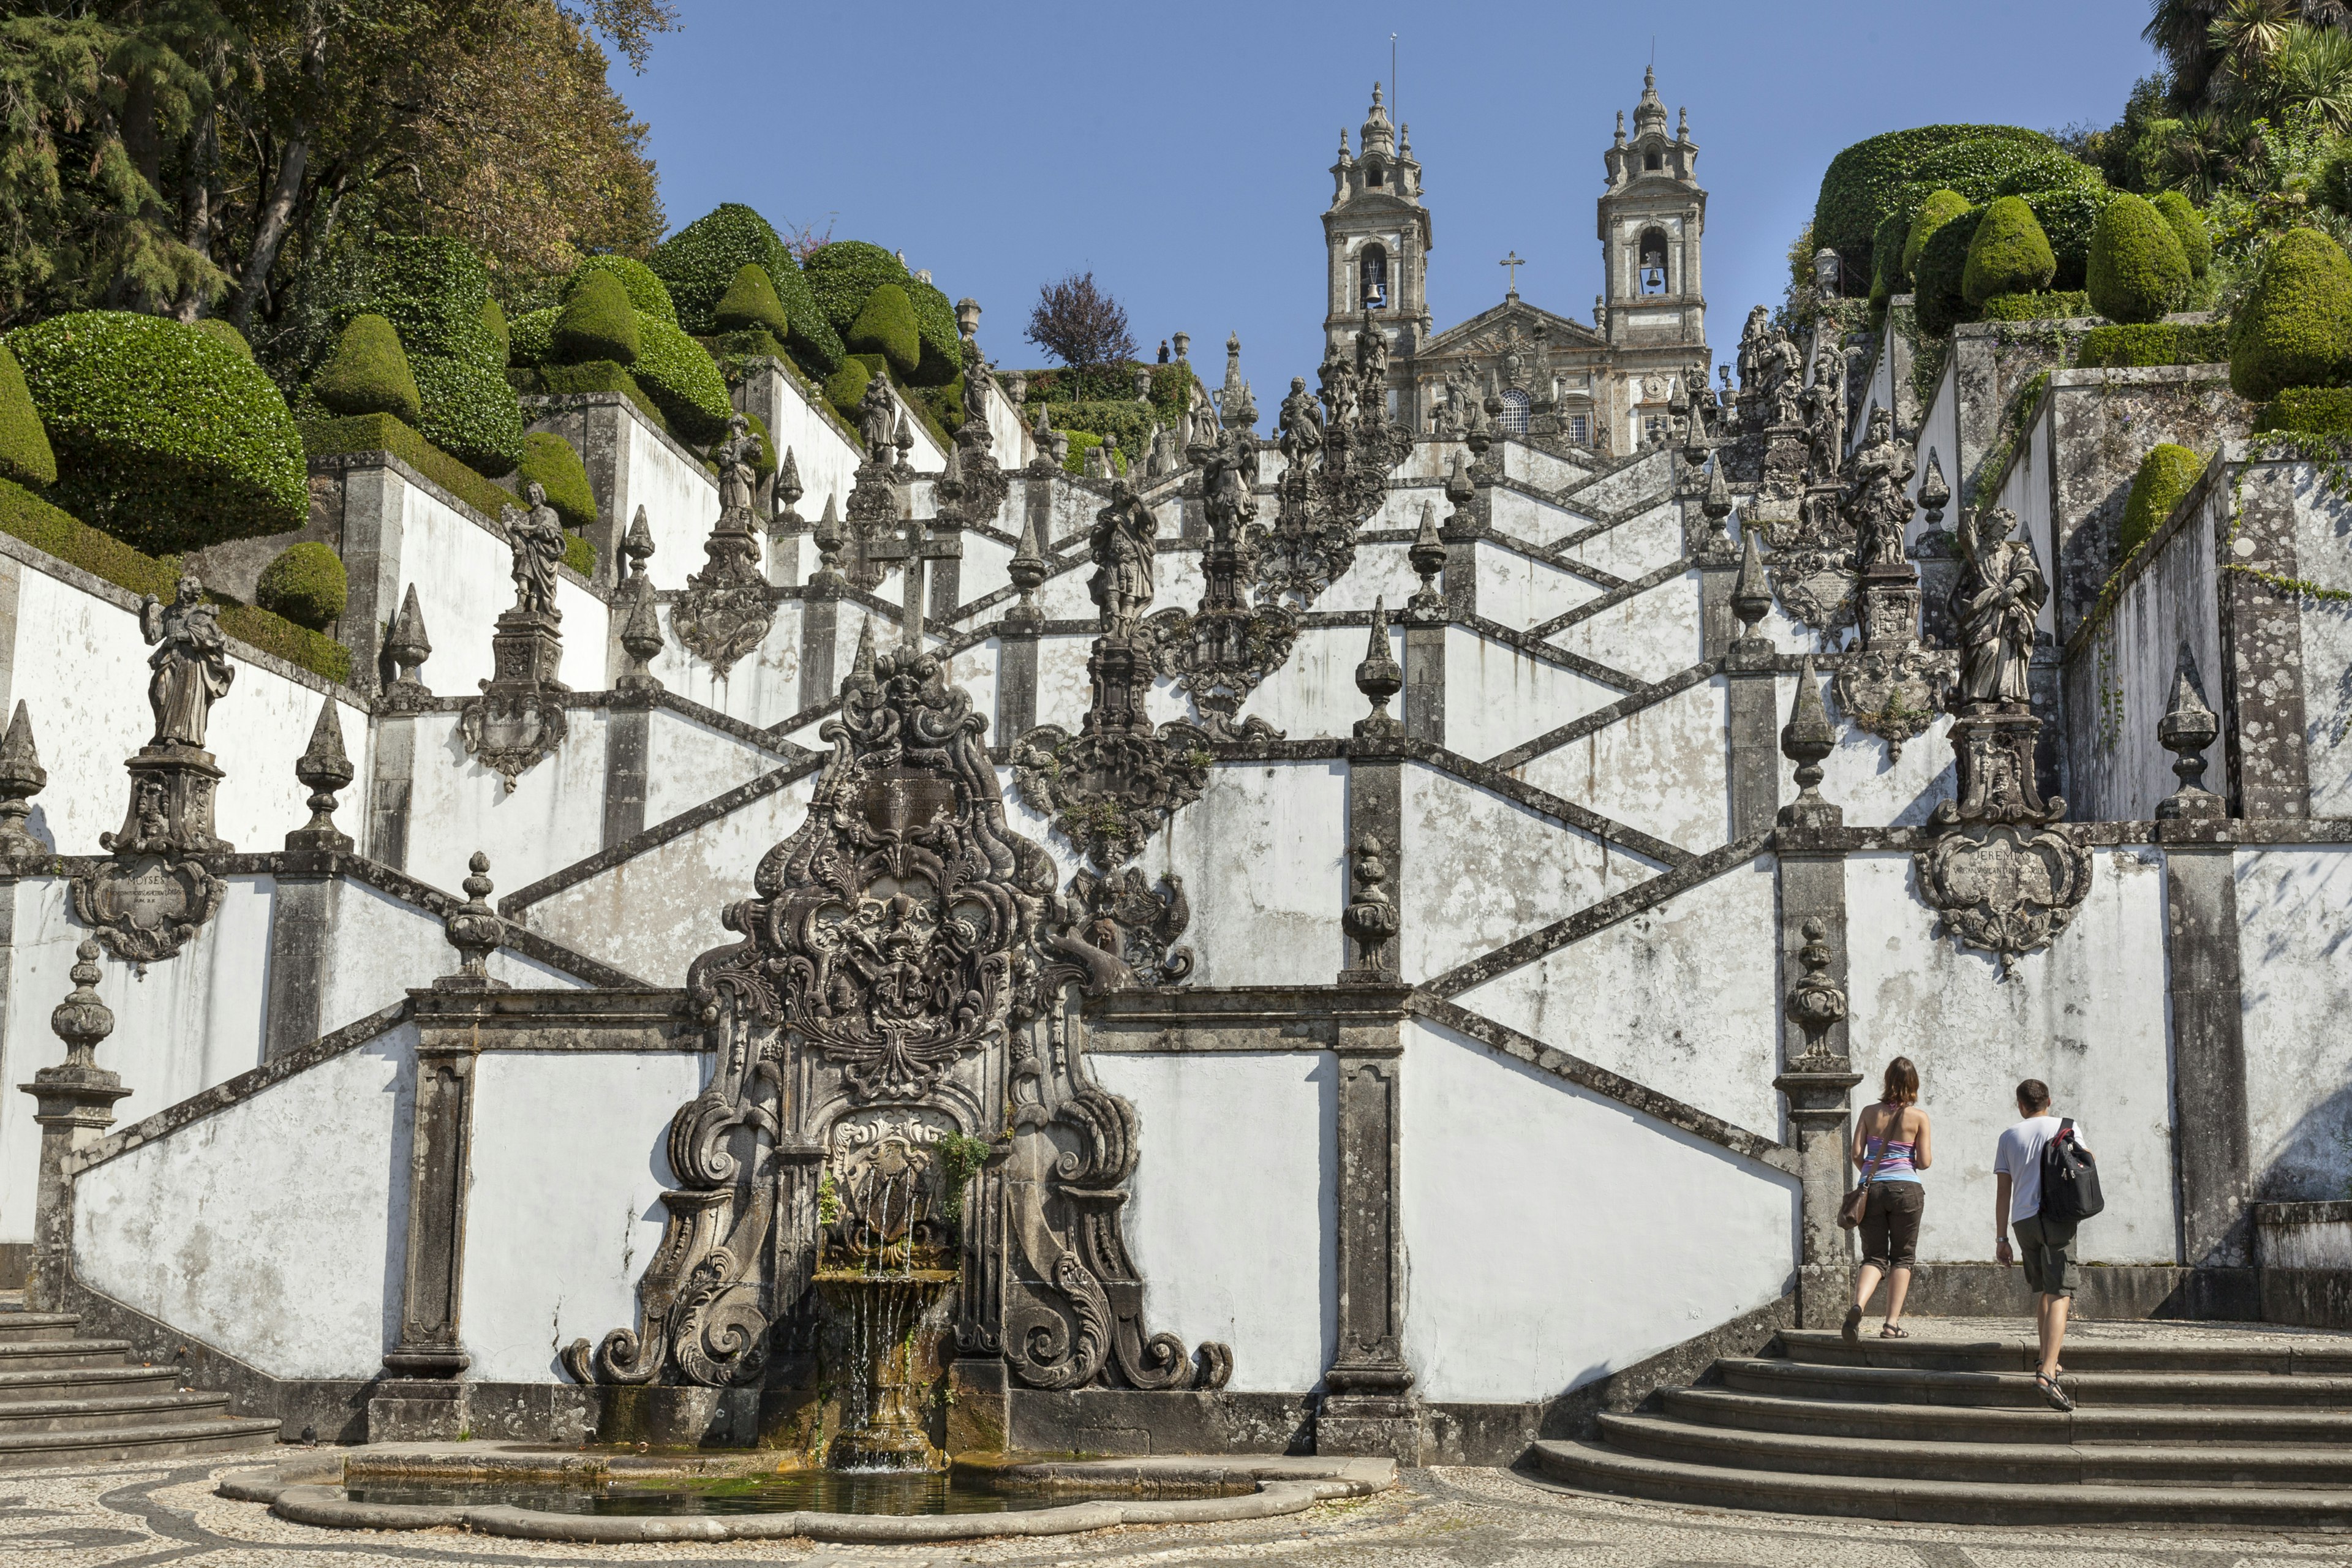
2009, 254
935, 324
886, 326
2137, 270
1984, 167
1860, 186
749, 302
368, 372
597, 322
494, 322
1939, 208
25, 457
698, 263
531, 339
2189, 227
468, 413
2295, 326
164, 436
645, 290
681, 377
2165, 475
550, 462
306, 584
1887, 277
433, 291
1938, 277
844, 273
214, 327
846, 385
2045, 306
2310, 411
2069, 215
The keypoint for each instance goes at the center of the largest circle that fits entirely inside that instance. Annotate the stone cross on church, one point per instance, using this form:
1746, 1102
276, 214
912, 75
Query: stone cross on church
913, 552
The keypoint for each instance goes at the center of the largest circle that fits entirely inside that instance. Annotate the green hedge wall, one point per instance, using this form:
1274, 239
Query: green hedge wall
25, 458
846, 385
843, 274
433, 291
935, 324
2154, 342
598, 375
368, 372
494, 322
751, 304
531, 338
550, 462
597, 322
164, 435
470, 413
680, 376
1938, 209
647, 292
2165, 474
2069, 215
306, 584
214, 327
2309, 411
700, 260
2043, 306
886, 326
2137, 270
1860, 186
1938, 277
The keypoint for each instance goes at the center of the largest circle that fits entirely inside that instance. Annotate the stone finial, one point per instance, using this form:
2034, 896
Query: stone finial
1027, 570
967, 316
788, 490
2188, 728
1427, 555
1816, 1003
82, 1020
641, 639
637, 546
1371, 917
828, 546
1934, 495
1717, 504
1807, 739
409, 648
905, 441
475, 929
21, 778
1751, 592
324, 769
1461, 491
1184, 341
1379, 678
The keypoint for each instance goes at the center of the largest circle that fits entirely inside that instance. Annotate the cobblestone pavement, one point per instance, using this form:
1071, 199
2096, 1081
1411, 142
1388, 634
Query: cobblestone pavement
118, 1515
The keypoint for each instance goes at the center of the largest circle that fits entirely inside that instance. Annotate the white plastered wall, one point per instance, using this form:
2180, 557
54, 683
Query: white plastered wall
1497, 696
553, 817
2295, 914
680, 498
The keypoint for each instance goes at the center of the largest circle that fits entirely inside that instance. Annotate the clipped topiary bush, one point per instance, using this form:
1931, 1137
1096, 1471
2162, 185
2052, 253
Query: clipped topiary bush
2154, 342
846, 385
382, 433
214, 328
597, 322
887, 326
2137, 271
306, 584
531, 339
1887, 277
1936, 277
2189, 227
548, 462
2044, 306
2309, 411
935, 324
842, 275
2009, 254
645, 290
368, 372
2165, 474
164, 436
698, 263
468, 413
1860, 186
1984, 167
2295, 326
2069, 215
748, 304
433, 291
1938, 208
681, 377
25, 458
494, 322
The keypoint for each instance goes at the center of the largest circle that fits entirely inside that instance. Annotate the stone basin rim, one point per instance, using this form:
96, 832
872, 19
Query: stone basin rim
309, 1490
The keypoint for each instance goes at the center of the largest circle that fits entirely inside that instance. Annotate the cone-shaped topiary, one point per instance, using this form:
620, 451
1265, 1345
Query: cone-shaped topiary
306, 584
468, 413
846, 385
2165, 475
750, 301
494, 322
647, 292
679, 374
2295, 327
1941, 208
698, 263
2189, 227
935, 324
368, 372
2137, 270
596, 323
531, 338
550, 462
2008, 255
887, 326
25, 457
1935, 281
844, 274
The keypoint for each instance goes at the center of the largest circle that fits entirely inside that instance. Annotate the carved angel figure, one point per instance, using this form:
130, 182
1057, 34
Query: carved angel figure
536, 537
1995, 603
1121, 547
190, 661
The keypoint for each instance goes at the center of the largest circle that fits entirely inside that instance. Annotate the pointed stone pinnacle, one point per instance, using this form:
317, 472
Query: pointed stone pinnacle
788, 480
861, 671
1806, 740
1717, 504
2188, 727
324, 768
638, 544
1751, 593
21, 778
410, 645
1378, 677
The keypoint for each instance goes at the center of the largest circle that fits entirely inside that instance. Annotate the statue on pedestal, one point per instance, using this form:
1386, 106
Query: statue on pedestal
1995, 603
1121, 547
1876, 502
1298, 428
877, 420
190, 661
738, 459
536, 537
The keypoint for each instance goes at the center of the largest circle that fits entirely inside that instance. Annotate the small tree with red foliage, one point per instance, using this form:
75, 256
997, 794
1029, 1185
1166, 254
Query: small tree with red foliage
1079, 323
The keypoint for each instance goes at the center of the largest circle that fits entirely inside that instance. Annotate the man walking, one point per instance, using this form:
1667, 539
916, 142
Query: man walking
2047, 1245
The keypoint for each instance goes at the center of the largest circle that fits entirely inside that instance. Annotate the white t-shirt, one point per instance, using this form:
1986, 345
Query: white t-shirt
2019, 1156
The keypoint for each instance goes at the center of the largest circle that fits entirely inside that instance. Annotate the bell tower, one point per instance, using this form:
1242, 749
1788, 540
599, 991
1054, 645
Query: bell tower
1376, 236
1650, 219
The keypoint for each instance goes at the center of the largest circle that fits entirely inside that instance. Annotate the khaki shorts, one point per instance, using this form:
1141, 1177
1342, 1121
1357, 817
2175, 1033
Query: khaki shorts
2046, 1248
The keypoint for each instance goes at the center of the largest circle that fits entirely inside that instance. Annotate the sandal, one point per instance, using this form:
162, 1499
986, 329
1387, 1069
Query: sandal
1852, 1329
2058, 1397
1893, 1331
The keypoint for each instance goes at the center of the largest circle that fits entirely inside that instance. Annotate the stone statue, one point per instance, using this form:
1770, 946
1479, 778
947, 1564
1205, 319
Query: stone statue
975, 384
1753, 341
1994, 604
1876, 503
1339, 393
1122, 548
738, 457
190, 661
1372, 355
1825, 426
1704, 406
877, 420
1298, 427
536, 537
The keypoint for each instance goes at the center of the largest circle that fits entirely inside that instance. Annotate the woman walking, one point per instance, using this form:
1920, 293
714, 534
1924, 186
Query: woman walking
1890, 1146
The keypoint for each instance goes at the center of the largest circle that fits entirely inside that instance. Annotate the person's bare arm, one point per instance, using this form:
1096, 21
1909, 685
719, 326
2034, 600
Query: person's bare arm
2000, 1219
1854, 1146
1923, 1149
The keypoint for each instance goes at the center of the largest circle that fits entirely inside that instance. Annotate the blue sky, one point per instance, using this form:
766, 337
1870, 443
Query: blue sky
1181, 153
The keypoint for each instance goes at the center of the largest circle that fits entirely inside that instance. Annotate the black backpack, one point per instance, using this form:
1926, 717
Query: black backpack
2070, 1177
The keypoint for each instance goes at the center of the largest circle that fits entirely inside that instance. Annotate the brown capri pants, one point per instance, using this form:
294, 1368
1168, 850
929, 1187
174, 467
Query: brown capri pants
1890, 1223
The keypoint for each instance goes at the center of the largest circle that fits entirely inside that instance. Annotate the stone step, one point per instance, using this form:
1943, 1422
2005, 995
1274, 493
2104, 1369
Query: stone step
2228, 1425
103, 1412
50, 1356
2009, 1464
18, 1327
173, 1439
85, 1382
1597, 1466
2281, 1355
1919, 1385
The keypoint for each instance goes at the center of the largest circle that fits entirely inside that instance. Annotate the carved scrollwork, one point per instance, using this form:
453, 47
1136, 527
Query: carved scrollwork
1893, 693
2006, 889
1109, 791
725, 612
1122, 915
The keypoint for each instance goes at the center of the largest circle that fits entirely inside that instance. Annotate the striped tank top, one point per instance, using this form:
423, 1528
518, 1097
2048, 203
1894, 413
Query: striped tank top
1898, 1167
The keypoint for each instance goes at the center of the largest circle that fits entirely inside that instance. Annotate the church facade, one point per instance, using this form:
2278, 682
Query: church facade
1601, 385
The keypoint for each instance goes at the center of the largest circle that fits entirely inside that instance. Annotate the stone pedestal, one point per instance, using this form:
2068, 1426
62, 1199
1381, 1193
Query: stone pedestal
1368, 1405
518, 719
1120, 677
1996, 778
421, 1397
74, 1105
171, 808
1816, 1088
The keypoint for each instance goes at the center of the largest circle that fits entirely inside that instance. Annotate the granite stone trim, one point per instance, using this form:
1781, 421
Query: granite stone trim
2310, 1297
1598, 917
392, 785
1536, 648
302, 922
626, 746
1600, 1081
1624, 590
1752, 752
2262, 717
2110, 1292
2240, 831
1599, 719
820, 631
2144, 560
1425, 682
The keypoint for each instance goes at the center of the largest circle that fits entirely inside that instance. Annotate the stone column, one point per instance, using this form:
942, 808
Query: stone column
1368, 1405
2262, 655
391, 782
820, 623
1749, 671
74, 1104
627, 740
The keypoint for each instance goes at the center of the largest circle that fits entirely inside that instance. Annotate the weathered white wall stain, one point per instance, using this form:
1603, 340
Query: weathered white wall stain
761, 687
1661, 769
680, 500
1262, 856
554, 817
1521, 592
1498, 698
1650, 637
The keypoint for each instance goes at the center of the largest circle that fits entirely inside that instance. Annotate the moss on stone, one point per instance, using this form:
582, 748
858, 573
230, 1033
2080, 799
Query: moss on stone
306, 584
2295, 326
550, 462
2165, 474
2137, 270
751, 303
886, 326
2189, 227
2009, 254
25, 458
368, 372
598, 323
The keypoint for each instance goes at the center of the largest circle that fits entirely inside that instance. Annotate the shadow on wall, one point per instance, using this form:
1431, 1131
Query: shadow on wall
2314, 1160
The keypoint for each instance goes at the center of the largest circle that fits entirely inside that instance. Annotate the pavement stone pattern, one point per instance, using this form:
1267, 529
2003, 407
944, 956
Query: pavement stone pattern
118, 1515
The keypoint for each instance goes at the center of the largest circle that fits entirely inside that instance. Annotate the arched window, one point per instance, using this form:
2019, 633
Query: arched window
1514, 417
1373, 278
1653, 261
1579, 429
1373, 176
1657, 160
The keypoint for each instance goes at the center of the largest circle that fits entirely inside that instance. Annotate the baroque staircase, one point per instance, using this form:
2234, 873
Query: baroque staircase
2175, 1424
65, 1400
